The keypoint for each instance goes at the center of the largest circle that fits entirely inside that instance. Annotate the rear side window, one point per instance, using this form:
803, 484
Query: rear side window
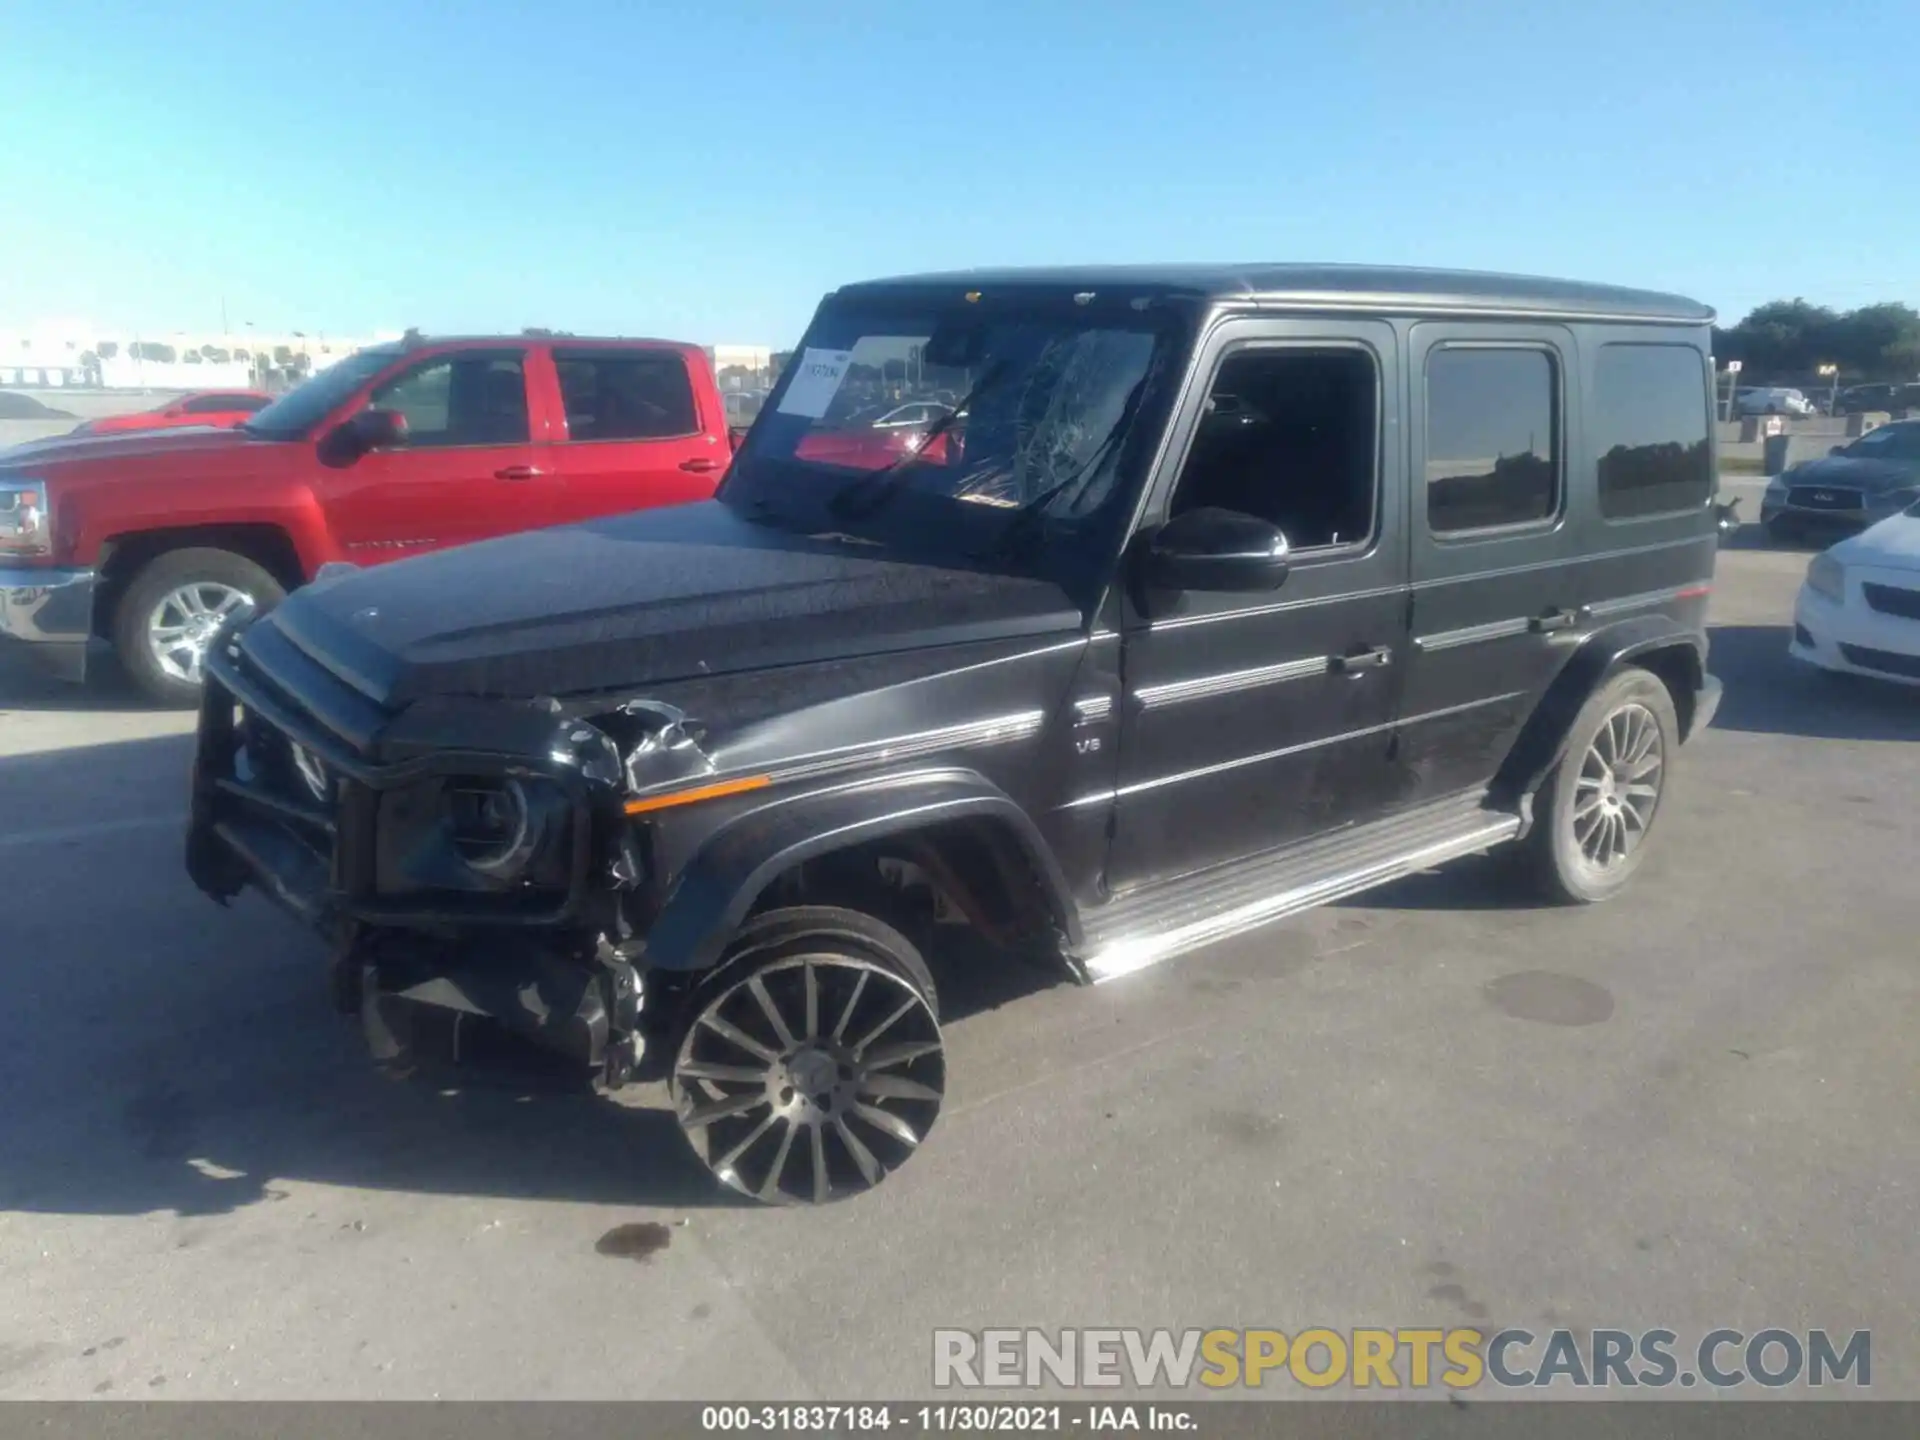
633, 395
1493, 446
1649, 428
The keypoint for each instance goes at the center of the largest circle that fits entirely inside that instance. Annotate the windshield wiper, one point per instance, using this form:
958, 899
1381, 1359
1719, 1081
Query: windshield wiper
886, 483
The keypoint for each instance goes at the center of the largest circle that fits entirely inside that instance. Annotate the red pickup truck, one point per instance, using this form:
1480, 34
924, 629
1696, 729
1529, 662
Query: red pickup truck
151, 539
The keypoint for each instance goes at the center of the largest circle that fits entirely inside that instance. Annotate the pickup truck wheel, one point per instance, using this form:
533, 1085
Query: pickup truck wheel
811, 1064
173, 608
1599, 804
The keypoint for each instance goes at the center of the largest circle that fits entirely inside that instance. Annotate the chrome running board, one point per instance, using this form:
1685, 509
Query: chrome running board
1160, 921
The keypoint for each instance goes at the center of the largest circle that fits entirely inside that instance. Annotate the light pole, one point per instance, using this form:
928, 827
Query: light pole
1831, 373
1733, 384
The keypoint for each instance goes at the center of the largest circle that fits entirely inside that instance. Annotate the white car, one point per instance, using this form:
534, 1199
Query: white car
1859, 611
1774, 400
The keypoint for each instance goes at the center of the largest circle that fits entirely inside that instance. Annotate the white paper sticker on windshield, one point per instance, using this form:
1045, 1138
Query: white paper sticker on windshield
816, 383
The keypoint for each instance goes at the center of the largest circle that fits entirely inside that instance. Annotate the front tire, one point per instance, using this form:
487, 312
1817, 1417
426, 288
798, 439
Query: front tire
171, 611
1597, 807
810, 1064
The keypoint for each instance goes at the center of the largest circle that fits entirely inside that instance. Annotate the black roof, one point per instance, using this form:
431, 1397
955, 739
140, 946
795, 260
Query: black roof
1322, 287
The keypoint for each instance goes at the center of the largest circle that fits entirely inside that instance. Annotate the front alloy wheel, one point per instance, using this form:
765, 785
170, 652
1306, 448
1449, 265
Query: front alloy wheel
182, 625
811, 1067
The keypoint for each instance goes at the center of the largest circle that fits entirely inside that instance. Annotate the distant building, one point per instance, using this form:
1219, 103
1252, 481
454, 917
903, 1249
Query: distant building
63, 354
742, 367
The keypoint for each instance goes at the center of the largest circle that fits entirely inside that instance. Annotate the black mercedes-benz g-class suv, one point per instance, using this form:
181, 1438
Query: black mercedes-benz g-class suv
1185, 600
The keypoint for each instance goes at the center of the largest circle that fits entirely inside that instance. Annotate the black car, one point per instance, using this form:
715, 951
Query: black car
1896, 400
1231, 593
1855, 485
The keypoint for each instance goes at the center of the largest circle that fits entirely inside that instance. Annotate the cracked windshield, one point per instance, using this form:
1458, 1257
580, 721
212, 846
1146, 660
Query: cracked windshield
1007, 412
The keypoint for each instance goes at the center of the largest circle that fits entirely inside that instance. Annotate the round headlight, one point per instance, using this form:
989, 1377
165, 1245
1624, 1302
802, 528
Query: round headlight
492, 826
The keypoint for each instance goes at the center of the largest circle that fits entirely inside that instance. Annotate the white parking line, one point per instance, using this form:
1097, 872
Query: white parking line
63, 833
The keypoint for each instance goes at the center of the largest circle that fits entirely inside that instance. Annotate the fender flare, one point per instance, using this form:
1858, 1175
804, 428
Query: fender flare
1601, 656
717, 888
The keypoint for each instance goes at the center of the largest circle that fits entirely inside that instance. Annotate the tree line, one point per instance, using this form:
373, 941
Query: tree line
1792, 339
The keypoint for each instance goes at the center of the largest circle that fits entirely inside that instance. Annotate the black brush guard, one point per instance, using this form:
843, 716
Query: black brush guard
512, 965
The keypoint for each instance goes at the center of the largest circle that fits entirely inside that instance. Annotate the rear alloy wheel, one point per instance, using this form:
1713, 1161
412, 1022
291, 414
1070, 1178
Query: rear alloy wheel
1598, 806
812, 1064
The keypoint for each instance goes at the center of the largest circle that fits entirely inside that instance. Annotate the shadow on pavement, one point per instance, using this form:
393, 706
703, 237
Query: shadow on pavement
159, 1053
1770, 693
24, 685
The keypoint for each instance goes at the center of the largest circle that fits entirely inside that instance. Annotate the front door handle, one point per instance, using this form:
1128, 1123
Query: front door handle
700, 465
518, 472
1361, 661
1556, 620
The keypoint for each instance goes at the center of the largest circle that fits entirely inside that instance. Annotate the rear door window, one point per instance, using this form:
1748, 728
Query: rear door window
626, 395
1493, 438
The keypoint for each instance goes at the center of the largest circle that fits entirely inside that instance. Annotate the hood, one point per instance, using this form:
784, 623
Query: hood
649, 598
183, 446
1893, 544
1856, 473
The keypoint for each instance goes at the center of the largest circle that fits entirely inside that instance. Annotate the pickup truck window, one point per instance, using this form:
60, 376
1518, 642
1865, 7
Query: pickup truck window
626, 395
295, 413
471, 399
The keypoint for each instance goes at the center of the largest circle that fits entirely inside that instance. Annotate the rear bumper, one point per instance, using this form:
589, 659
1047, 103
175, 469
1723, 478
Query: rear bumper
48, 614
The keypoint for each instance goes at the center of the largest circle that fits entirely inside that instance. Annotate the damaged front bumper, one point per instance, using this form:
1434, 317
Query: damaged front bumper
362, 842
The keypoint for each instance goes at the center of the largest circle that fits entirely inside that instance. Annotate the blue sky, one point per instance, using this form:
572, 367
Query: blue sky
706, 171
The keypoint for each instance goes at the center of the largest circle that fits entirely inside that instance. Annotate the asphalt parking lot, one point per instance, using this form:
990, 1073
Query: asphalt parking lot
1693, 1107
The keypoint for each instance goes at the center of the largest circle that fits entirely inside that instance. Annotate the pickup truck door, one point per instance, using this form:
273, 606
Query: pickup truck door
631, 435
464, 473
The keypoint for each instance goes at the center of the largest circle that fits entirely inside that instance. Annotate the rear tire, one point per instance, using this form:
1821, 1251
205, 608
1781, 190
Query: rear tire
170, 611
809, 1065
1596, 809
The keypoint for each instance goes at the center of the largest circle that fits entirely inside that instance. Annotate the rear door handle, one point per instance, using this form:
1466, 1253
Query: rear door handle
701, 465
519, 472
1556, 620
1362, 661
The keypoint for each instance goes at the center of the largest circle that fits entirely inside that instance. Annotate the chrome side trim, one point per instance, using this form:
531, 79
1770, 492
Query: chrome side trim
1278, 607
1126, 955
1264, 756
1092, 707
1621, 604
1175, 691
1471, 635
973, 734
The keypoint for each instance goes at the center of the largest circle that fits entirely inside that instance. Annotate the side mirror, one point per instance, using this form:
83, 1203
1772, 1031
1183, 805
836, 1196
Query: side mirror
1216, 550
378, 429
